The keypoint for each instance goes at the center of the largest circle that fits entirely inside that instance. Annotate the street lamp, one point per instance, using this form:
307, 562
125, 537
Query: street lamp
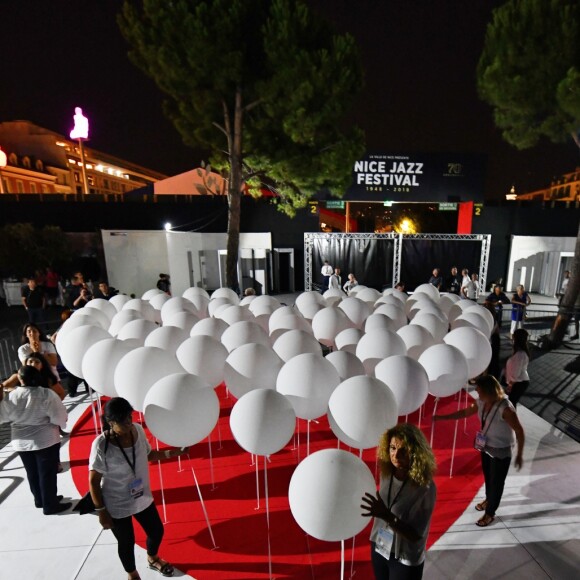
3, 162
80, 132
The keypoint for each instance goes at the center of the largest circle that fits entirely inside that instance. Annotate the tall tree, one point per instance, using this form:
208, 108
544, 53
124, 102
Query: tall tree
263, 84
529, 72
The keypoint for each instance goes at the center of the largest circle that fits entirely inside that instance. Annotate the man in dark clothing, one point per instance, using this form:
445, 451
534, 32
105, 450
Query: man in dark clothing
497, 299
34, 301
105, 291
436, 279
454, 282
164, 284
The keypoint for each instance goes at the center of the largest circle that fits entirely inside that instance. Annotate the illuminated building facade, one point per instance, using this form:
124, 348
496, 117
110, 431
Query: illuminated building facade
42, 161
565, 188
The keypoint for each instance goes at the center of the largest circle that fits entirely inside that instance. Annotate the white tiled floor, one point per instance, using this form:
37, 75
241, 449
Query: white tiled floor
536, 535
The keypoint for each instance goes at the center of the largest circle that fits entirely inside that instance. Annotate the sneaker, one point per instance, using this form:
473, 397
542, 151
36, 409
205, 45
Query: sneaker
58, 508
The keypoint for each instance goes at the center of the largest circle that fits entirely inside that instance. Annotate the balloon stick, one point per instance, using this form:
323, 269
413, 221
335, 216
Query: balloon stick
454, 439
210, 462
420, 414
267, 515
308, 438
352, 572
433, 422
257, 485
202, 505
465, 420
298, 439
93, 410
341, 559
161, 484
219, 435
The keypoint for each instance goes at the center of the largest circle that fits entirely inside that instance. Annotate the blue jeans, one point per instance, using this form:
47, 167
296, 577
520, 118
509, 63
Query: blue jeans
41, 468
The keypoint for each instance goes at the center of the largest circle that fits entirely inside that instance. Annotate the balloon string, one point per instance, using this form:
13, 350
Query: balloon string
93, 409
352, 557
161, 484
307, 438
433, 422
341, 559
257, 485
465, 420
420, 414
219, 435
202, 504
211, 463
267, 514
298, 437
454, 439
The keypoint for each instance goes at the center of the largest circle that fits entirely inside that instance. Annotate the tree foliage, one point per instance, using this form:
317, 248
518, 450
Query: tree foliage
529, 71
263, 84
25, 249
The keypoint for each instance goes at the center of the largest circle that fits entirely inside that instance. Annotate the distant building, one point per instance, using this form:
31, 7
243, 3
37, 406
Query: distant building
42, 161
565, 188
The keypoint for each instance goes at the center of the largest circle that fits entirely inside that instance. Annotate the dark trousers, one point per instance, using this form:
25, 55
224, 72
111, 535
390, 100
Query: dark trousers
392, 569
517, 390
41, 468
36, 316
151, 523
495, 472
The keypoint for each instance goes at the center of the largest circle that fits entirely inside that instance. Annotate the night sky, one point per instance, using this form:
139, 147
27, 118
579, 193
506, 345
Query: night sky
419, 57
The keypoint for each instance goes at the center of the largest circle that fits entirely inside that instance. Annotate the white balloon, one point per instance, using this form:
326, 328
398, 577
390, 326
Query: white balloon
377, 345
148, 294
290, 322
200, 304
474, 345
401, 296
446, 368
159, 300
195, 291
428, 309
394, 312
76, 343
119, 300
140, 369
185, 320
283, 311
428, 289
137, 329
216, 303
93, 316
333, 296
180, 410
418, 300
246, 300
296, 342
470, 319
363, 408
348, 339
308, 381
99, 364
447, 301
407, 379
121, 318
417, 339
258, 305
484, 313
346, 363
368, 295
390, 299
227, 293
262, 422
328, 322
203, 356
102, 305
358, 288
377, 321
356, 310
213, 327
249, 367
147, 311
458, 308
166, 338
437, 327
325, 494
176, 304
71, 324
243, 333
310, 309
310, 297
233, 314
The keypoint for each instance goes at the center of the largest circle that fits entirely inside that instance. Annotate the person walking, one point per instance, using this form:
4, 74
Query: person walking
494, 441
335, 280
326, 272
516, 368
520, 301
403, 506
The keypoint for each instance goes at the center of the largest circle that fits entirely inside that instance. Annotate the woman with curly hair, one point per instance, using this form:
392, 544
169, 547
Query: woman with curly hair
403, 505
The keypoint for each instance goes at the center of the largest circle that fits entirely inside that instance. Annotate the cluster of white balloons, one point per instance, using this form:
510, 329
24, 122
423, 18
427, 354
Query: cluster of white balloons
388, 352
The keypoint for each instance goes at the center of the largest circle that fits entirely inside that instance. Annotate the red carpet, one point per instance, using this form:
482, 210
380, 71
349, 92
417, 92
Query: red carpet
240, 530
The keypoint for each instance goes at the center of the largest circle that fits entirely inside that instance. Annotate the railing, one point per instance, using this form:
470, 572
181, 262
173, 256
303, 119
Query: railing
538, 320
8, 353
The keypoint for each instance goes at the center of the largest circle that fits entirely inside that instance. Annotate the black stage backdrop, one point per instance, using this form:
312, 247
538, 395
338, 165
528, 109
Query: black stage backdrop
370, 260
419, 257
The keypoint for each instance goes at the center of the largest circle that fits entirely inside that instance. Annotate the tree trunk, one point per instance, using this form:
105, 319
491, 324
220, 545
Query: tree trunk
567, 304
235, 197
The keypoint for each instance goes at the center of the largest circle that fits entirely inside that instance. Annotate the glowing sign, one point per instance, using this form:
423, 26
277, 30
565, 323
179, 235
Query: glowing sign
81, 128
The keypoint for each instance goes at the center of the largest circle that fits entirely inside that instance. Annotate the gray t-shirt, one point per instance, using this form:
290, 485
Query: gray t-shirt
118, 477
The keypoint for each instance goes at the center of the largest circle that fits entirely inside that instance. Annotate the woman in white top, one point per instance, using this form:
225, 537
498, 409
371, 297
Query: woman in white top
34, 340
499, 423
119, 485
36, 415
404, 504
350, 283
516, 368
